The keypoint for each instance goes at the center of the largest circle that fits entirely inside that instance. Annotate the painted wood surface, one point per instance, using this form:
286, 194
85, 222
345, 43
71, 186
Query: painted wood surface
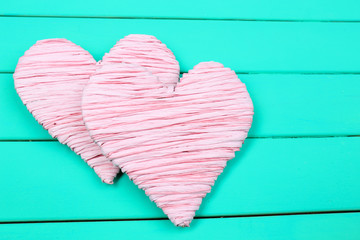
243, 46
319, 10
267, 176
300, 62
286, 105
309, 227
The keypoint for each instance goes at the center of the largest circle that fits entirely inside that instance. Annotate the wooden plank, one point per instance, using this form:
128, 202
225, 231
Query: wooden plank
226, 9
285, 105
243, 46
321, 226
46, 181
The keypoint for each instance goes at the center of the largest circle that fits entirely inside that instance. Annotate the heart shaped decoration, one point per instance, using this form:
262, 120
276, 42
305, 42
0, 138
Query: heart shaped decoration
50, 78
172, 141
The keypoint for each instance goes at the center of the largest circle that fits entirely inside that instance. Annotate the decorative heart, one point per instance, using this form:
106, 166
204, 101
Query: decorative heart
173, 142
50, 78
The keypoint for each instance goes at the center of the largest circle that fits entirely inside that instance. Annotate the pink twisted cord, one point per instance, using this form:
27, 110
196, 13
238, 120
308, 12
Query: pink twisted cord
49, 79
172, 142
149, 52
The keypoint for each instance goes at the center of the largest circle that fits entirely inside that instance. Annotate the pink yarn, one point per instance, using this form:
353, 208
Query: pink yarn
50, 78
172, 142
146, 51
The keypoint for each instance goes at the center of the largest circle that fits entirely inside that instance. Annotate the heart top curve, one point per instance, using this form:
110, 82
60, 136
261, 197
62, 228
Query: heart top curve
172, 142
146, 51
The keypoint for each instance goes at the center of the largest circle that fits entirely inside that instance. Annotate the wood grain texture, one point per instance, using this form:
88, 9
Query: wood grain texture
242, 46
319, 10
285, 105
46, 181
310, 227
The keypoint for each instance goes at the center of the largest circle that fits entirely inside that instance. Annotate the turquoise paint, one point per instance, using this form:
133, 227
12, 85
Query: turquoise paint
299, 10
241, 45
45, 181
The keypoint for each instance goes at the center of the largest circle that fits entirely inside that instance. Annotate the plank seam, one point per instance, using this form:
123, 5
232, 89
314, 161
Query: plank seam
204, 217
270, 137
265, 72
182, 19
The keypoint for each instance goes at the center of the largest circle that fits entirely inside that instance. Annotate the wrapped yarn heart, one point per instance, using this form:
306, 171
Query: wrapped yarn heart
172, 141
50, 78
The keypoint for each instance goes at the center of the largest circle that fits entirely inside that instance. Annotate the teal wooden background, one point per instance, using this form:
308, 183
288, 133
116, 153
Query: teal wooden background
297, 175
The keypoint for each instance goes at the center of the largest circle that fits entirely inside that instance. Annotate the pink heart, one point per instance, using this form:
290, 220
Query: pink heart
172, 142
50, 78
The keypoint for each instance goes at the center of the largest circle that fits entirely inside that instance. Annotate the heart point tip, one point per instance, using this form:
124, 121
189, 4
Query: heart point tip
108, 181
183, 224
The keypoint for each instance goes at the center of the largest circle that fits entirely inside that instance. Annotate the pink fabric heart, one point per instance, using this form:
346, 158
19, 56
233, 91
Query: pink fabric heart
173, 142
50, 78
